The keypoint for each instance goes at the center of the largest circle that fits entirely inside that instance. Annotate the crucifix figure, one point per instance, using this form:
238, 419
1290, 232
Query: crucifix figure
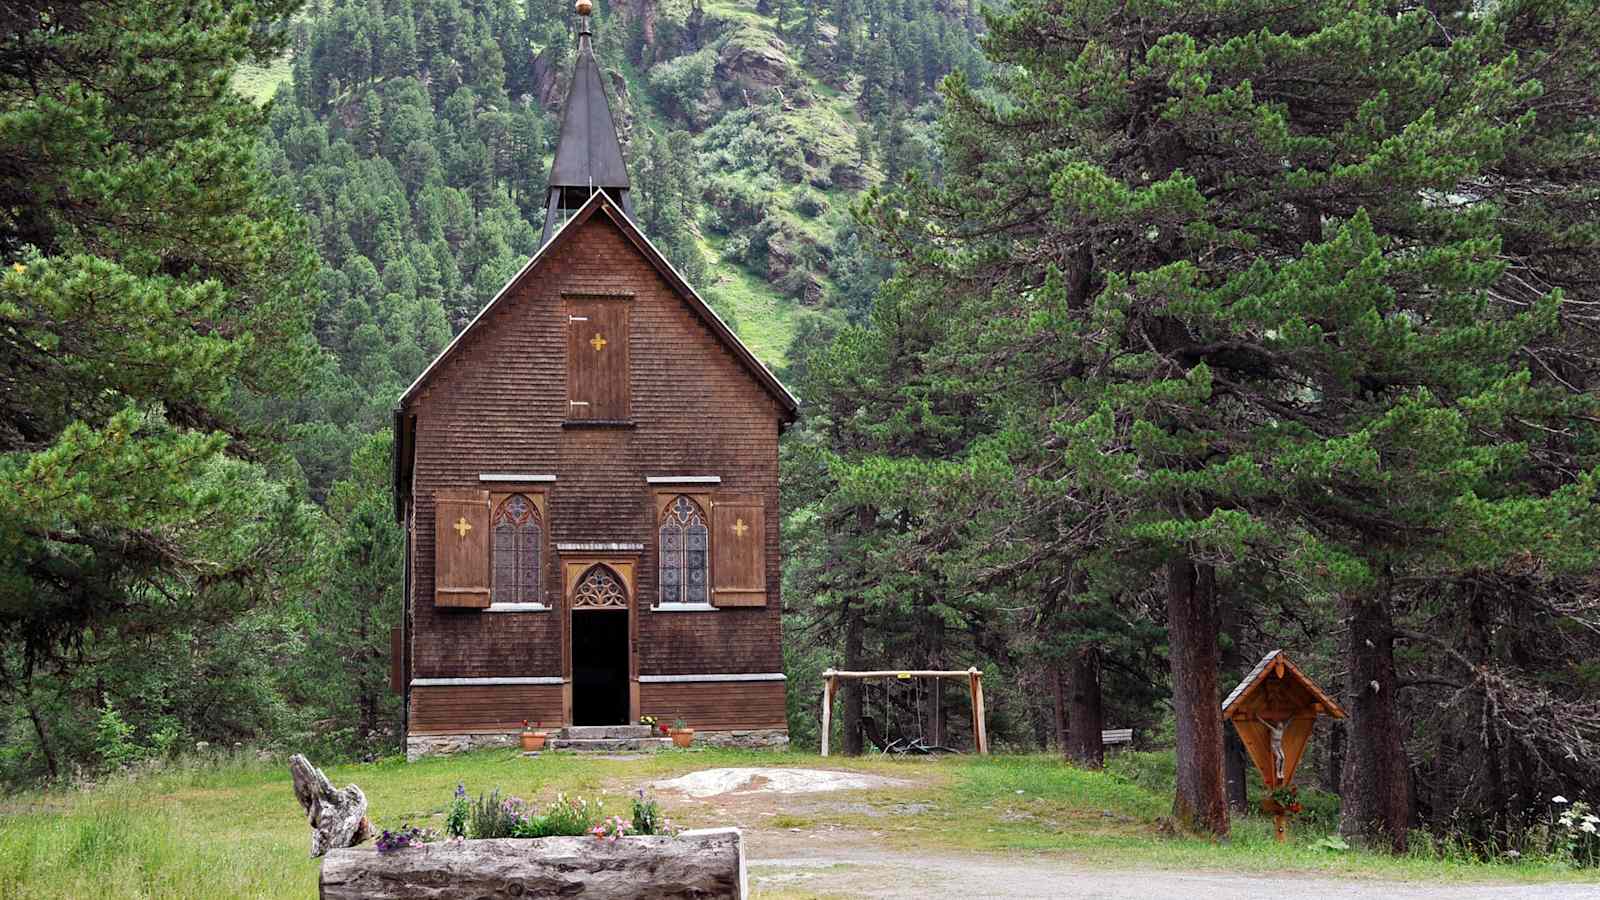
1276, 730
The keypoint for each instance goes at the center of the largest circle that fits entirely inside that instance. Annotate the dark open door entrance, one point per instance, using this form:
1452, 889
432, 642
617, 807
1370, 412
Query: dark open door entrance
600, 667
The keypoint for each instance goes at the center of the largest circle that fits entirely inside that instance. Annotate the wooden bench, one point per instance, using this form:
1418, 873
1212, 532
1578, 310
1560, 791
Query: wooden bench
1116, 736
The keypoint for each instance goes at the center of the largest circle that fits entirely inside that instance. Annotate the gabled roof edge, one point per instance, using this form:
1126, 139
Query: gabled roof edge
1260, 671
602, 200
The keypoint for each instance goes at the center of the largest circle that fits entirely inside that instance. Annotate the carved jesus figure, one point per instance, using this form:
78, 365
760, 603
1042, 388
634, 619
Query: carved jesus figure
1276, 730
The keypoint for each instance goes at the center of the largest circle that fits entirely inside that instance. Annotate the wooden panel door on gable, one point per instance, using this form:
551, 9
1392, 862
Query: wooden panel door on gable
597, 358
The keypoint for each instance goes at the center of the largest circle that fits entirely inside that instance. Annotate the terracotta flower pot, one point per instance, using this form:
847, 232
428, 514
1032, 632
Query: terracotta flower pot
681, 737
533, 740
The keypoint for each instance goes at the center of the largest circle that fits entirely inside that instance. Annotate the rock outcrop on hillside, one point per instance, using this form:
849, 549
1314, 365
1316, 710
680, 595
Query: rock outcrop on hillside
754, 65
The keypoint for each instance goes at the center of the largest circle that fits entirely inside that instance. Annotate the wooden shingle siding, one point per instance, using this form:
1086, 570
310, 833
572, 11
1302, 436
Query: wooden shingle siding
716, 705
500, 403
456, 709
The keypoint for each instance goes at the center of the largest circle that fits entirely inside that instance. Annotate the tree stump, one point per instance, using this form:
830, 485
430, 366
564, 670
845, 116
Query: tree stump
338, 819
695, 864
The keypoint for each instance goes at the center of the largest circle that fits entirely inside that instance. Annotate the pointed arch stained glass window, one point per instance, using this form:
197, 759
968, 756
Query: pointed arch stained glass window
518, 552
600, 589
681, 549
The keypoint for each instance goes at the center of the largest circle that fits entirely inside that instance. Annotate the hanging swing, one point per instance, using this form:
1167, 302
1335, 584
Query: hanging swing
878, 733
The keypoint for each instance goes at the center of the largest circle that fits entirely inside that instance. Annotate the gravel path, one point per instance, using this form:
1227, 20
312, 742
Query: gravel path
874, 873
808, 857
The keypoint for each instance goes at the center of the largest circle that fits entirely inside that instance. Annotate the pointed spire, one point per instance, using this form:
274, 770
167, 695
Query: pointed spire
588, 154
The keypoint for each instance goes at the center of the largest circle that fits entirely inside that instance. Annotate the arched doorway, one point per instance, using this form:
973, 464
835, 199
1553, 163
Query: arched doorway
600, 648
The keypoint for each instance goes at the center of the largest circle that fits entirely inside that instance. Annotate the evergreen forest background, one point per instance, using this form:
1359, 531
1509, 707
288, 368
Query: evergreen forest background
1132, 346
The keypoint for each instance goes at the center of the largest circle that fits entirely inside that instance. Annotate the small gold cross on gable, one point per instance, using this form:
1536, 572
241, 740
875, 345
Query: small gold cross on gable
462, 526
597, 342
739, 527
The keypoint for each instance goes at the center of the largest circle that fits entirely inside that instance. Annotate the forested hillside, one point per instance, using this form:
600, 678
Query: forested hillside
415, 136
1145, 342
241, 588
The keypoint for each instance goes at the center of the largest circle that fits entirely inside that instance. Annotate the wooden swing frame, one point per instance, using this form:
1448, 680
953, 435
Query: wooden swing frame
973, 677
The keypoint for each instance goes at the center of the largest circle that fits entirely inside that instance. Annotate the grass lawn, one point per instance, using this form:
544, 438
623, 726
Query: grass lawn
231, 827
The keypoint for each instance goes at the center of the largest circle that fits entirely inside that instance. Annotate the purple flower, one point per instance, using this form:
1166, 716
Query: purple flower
407, 836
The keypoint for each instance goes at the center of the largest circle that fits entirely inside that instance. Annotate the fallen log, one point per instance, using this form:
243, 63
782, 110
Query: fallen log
337, 818
695, 864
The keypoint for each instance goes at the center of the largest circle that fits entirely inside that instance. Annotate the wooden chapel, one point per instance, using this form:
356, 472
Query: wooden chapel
588, 480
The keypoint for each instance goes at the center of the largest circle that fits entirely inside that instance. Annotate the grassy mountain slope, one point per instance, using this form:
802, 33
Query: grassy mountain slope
782, 140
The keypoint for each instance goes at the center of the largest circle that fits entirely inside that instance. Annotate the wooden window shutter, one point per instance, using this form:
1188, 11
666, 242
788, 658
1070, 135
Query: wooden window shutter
461, 549
738, 551
597, 359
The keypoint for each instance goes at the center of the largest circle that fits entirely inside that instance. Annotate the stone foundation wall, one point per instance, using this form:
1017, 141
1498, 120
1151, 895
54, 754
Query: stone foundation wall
752, 739
420, 745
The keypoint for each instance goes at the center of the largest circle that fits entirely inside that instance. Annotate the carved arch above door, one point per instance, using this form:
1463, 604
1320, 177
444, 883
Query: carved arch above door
599, 583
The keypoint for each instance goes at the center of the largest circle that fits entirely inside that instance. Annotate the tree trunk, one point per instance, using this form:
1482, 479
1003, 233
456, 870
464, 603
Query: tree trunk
697, 864
1085, 709
1488, 724
1235, 765
1375, 787
852, 686
1200, 804
44, 742
1333, 763
1235, 771
1058, 687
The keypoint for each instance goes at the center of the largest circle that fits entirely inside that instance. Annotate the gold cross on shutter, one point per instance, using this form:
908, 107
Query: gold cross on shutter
462, 526
739, 527
597, 342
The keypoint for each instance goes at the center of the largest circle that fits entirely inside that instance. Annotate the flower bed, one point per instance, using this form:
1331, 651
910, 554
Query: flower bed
494, 844
494, 817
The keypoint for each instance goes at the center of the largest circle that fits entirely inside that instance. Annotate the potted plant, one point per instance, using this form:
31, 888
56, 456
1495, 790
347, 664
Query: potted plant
1282, 800
681, 733
532, 738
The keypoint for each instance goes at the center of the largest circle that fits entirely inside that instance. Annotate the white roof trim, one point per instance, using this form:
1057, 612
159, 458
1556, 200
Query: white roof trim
740, 676
456, 682
683, 479
598, 196
597, 546
530, 479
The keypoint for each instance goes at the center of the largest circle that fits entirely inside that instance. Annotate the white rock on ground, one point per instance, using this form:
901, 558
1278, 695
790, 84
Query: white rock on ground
755, 780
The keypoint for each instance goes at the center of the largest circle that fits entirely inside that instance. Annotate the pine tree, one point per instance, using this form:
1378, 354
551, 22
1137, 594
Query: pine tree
154, 293
1284, 277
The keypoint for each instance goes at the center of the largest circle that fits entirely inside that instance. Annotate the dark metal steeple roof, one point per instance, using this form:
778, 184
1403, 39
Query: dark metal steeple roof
588, 154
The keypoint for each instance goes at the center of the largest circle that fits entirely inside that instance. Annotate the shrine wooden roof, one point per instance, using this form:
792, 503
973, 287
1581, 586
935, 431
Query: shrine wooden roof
1259, 674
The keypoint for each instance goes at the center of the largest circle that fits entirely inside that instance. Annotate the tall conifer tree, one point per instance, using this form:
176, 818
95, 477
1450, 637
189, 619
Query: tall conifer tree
1298, 290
